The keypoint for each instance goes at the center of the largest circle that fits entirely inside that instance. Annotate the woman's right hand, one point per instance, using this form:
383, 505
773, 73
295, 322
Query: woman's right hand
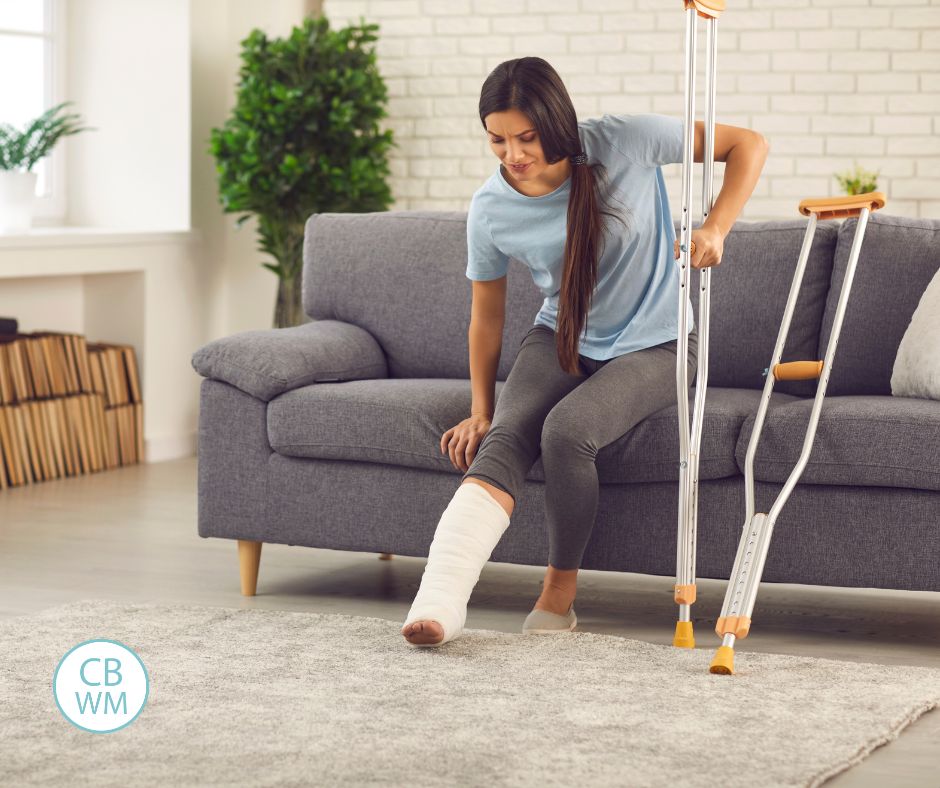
461, 442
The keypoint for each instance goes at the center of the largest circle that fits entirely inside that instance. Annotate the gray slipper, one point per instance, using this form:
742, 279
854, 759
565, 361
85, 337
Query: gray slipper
545, 622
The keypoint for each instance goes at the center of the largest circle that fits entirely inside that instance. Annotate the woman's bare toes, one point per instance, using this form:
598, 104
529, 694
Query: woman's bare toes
423, 632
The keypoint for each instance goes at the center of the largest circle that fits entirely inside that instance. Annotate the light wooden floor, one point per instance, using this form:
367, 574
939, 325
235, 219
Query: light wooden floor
130, 535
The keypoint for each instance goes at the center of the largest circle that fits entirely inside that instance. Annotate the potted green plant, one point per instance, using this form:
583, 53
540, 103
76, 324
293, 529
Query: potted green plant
858, 182
19, 153
303, 138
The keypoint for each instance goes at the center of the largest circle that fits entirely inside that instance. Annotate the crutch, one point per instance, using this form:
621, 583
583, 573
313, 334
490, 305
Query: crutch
689, 456
735, 620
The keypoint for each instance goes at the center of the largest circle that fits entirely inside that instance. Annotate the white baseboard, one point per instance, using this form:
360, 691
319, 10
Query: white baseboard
169, 447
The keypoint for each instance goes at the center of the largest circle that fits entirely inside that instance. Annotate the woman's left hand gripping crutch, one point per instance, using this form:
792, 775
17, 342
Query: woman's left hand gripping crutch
708, 245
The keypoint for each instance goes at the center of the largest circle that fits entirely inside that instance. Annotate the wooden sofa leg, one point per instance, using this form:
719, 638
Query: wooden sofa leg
386, 556
249, 557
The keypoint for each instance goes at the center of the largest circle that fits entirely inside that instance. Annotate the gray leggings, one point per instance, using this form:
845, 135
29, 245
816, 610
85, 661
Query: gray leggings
569, 418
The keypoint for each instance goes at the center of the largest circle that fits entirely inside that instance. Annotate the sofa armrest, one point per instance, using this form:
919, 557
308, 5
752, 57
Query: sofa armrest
266, 363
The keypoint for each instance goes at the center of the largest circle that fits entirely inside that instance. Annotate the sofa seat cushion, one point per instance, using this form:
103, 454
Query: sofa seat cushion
860, 440
400, 421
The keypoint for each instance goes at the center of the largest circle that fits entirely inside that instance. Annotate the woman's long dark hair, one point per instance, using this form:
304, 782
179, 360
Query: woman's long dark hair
532, 86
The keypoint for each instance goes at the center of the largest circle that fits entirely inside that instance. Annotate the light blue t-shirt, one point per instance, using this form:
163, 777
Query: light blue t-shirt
636, 298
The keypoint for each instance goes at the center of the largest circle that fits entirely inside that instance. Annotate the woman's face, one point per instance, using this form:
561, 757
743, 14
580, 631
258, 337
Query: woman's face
515, 142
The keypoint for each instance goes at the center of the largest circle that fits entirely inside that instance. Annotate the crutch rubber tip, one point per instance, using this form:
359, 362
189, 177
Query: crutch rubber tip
684, 637
723, 663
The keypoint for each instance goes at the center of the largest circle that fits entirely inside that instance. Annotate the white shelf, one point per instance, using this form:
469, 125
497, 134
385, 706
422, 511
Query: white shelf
76, 251
41, 237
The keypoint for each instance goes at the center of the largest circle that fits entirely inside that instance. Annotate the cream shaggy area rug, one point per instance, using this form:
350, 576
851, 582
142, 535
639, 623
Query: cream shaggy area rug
269, 698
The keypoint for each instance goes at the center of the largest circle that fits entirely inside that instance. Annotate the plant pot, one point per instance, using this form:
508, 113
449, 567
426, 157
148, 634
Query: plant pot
17, 199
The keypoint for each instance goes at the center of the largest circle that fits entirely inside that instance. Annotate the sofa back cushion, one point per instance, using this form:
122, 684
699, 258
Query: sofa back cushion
400, 275
748, 295
898, 258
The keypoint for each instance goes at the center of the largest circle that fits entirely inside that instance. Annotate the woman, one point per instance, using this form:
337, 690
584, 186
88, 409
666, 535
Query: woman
584, 206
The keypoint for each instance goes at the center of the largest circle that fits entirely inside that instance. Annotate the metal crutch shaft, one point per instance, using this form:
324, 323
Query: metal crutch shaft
741, 594
689, 446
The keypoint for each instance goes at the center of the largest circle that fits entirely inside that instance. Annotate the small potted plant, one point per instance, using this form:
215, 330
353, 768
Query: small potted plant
19, 152
858, 182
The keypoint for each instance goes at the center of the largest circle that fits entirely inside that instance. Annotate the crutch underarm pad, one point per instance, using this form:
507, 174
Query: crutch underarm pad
798, 370
705, 8
842, 205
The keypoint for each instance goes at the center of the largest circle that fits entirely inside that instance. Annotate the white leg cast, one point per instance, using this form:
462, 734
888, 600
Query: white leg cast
466, 535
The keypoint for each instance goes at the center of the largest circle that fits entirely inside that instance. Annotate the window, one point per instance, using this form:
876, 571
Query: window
32, 36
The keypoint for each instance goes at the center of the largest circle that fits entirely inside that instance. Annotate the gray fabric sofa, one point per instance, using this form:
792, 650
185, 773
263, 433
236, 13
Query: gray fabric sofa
327, 434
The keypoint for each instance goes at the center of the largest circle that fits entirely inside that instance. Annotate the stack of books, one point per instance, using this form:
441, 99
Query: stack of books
67, 407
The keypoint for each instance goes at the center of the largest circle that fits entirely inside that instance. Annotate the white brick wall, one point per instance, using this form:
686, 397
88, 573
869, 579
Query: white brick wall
830, 83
